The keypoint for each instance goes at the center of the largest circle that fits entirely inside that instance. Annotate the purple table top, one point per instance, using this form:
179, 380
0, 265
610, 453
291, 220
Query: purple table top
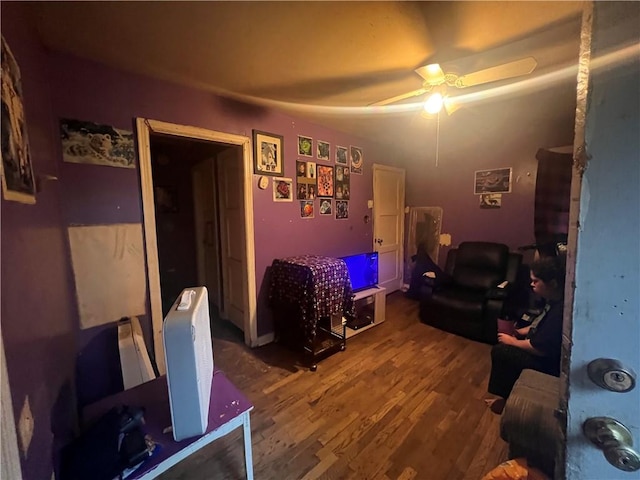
227, 403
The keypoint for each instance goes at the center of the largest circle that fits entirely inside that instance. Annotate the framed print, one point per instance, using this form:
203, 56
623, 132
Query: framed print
282, 190
16, 169
342, 209
326, 207
323, 149
268, 154
357, 160
305, 146
341, 155
96, 144
325, 181
306, 209
497, 180
342, 183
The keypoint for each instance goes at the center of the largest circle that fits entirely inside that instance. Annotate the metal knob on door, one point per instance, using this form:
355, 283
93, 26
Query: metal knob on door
378, 241
615, 440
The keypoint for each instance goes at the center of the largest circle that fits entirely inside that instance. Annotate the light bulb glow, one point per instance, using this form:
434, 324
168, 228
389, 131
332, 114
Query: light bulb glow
434, 103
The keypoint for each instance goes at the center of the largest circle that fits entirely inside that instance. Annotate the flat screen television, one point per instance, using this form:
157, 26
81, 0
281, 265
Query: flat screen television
363, 270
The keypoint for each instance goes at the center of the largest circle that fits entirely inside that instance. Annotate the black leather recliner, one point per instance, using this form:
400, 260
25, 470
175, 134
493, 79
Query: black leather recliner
470, 302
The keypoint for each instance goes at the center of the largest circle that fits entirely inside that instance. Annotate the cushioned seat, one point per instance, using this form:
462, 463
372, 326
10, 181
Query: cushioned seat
470, 303
529, 424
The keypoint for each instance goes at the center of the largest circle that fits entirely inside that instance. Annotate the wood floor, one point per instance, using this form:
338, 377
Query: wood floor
403, 401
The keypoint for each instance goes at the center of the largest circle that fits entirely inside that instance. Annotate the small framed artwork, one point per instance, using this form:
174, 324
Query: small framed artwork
16, 169
268, 154
342, 209
326, 207
497, 180
305, 146
96, 144
282, 190
306, 209
342, 183
341, 155
323, 150
325, 181
357, 160
490, 200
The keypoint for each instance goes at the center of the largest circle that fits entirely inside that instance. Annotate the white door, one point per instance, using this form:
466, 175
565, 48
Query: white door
207, 243
388, 225
233, 238
606, 305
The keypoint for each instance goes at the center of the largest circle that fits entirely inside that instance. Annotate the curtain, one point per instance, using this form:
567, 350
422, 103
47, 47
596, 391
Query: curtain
553, 190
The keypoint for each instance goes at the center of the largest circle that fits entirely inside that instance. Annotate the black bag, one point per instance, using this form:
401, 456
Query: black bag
108, 447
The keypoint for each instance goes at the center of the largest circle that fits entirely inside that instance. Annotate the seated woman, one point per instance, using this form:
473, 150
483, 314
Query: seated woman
537, 346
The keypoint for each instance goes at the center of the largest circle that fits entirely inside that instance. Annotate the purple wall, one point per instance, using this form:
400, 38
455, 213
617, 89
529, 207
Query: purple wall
39, 318
481, 138
92, 194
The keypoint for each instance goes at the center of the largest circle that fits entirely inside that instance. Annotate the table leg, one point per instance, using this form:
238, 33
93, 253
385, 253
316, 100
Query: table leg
248, 456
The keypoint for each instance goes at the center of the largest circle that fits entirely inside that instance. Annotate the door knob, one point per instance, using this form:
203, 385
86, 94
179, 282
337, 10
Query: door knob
615, 440
611, 375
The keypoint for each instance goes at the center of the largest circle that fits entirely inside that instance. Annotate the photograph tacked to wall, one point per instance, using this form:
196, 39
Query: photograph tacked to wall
326, 207
491, 200
325, 181
323, 150
343, 184
497, 180
306, 209
96, 144
357, 159
305, 146
341, 155
18, 183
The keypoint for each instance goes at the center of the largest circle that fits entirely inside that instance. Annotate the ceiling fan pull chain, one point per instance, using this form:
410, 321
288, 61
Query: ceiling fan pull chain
437, 138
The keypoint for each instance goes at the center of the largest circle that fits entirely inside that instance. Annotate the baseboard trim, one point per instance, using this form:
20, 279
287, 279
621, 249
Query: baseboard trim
264, 339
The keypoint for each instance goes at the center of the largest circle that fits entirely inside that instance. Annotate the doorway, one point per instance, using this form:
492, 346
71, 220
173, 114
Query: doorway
198, 221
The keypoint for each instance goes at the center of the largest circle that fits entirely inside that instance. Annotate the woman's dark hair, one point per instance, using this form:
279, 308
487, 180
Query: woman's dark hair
549, 268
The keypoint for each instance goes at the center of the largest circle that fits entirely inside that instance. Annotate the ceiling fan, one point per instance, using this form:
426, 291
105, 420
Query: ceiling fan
437, 81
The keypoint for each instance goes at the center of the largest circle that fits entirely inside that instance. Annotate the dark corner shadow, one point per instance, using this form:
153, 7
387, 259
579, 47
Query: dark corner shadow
239, 108
230, 340
64, 423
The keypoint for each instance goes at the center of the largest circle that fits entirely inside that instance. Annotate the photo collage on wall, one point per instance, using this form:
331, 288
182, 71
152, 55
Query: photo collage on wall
331, 184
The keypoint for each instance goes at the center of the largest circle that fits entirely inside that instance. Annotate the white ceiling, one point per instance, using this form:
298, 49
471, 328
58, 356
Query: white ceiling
304, 56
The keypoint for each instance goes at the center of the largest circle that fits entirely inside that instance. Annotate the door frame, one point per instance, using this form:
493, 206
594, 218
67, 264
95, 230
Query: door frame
145, 127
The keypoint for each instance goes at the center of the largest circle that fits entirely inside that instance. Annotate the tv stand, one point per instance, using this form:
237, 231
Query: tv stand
370, 310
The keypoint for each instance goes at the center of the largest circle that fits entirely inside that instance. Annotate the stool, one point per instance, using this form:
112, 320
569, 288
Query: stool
528, 422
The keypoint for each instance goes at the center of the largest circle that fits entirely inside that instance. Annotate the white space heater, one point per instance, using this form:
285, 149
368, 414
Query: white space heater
188, 352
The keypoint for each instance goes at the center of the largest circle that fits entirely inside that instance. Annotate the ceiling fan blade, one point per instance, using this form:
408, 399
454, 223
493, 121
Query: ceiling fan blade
397, 98
517, 68
431, 73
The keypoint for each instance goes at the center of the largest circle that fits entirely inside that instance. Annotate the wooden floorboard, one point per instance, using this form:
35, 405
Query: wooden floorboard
404, 401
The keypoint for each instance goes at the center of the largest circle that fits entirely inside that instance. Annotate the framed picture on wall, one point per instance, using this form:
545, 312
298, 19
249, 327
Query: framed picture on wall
305, 146
268, 154
323, 150
282, 190
16, 170
497, 180
341, 155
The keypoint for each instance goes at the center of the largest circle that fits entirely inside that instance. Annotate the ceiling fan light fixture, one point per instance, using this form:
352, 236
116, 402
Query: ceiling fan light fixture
434, 103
